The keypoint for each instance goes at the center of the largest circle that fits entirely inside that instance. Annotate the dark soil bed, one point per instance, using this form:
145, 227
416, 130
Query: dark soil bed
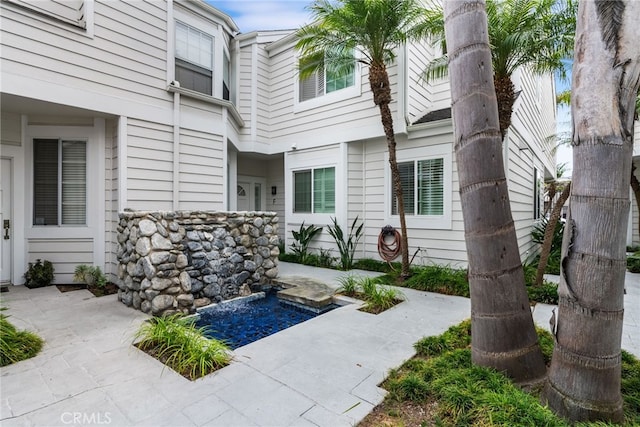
108, 289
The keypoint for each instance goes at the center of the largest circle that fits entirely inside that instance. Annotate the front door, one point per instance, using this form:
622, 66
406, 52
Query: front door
251, 196
6, 222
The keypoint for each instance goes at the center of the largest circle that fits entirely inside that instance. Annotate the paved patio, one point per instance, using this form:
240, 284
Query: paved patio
323, 372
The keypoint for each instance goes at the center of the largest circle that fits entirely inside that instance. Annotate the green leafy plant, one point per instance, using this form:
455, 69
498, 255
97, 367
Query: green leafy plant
348, 285
182, 346
92, 276
16, 345
537, 236
302, 238
378, 298
325, 259
346, 244
633, 263
441, 376
371, 264
39, 274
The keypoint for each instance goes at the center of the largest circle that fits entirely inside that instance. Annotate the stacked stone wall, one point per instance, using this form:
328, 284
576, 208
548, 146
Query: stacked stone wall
173, 262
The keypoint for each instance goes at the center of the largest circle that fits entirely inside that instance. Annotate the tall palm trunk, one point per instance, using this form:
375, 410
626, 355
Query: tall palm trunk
550, 231
379, 82
584, 378
502, 331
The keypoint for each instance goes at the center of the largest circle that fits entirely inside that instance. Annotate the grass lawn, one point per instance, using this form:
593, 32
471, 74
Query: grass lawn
440, 387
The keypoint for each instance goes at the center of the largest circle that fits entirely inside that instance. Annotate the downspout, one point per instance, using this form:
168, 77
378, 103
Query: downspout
176, 151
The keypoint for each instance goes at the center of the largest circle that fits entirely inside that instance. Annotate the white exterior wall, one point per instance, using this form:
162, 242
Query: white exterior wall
149, 148
345, 115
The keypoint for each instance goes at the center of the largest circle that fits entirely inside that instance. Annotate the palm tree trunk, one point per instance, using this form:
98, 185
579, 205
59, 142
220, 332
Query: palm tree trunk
379, 81
549, 232
502, 330
584, 378
505, 93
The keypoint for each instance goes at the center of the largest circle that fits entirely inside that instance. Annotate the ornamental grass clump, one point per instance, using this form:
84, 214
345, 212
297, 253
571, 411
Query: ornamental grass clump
16, 345
182, 346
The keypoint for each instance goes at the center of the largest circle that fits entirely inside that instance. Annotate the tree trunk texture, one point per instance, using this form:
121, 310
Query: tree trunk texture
553, 189
584, 378
502, 330
505, 94
549, 232
635, 186
381, 89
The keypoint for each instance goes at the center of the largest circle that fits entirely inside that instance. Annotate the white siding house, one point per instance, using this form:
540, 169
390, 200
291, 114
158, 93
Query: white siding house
164, 105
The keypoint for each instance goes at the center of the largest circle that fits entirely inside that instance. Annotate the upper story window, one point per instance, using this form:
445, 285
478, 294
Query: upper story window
194, 59
314, 190
69, 11
422, 187
323, 82
59, 182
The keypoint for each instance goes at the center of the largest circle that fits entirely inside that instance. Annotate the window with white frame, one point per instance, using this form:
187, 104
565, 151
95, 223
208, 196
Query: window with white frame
314, 190
59, 182
194, 59
323, 82
422, 187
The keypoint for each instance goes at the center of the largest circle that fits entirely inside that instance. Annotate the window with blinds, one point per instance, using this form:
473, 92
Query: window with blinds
194, 59
59, 182
314, 191
422, 187
325, 81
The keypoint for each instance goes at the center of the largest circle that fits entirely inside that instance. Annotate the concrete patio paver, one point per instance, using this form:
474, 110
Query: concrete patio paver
323, 372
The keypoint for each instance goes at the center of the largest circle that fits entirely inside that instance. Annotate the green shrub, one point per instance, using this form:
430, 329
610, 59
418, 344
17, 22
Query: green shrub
302, 238
633, 263
288, 257
92, 276
348, 285
16, 345
346, 244
39, 274
546, 294
179, 344
537, 235
439, 278
371, 264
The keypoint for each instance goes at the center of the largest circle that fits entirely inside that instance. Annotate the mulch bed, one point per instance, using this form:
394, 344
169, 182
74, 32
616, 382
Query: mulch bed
108, 289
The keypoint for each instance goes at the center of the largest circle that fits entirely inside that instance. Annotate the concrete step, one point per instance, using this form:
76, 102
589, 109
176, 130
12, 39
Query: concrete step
304, 290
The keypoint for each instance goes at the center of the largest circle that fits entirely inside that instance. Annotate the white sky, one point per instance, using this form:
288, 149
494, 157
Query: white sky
251, 15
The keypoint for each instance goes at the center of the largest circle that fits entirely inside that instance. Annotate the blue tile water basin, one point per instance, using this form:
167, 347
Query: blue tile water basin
240, 322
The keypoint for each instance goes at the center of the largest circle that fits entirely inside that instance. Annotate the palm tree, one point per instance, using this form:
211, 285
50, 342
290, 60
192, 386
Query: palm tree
584, 377
367, 32
549, 231
523, 33
503, 335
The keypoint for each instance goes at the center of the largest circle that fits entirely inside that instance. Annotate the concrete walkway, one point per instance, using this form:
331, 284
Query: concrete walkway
323, 372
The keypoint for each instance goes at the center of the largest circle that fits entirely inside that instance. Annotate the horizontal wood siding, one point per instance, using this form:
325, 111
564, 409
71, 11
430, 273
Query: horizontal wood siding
245, 89
343, 120
201, 170
65, 254
419, 94
263, 117
432, 245
126, 58
149, 166
10, 128
111, 199
275, 177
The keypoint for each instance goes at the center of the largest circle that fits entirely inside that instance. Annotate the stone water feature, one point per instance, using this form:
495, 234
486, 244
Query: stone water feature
178, 261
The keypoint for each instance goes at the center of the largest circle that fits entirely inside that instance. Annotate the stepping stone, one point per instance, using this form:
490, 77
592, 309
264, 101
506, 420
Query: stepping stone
306, 291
